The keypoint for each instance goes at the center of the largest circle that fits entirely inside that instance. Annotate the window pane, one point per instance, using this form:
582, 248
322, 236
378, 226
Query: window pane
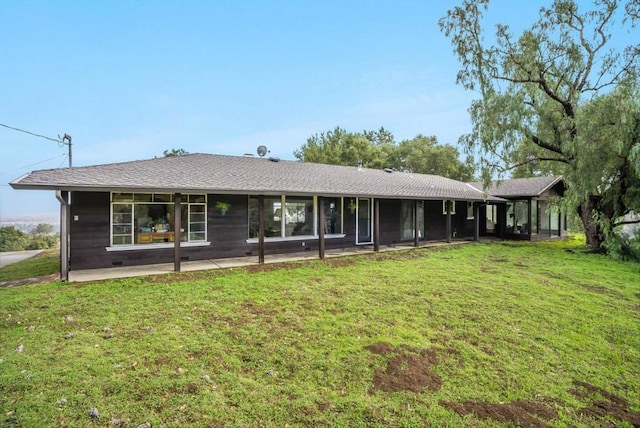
122, 229
298, 216
253, 217
197, 227
272, 216
197, 218
364, 220
143, 197
161, 197
122, 197
534, 217
197, 236
333, 215
406, 219
193, 199
121, 240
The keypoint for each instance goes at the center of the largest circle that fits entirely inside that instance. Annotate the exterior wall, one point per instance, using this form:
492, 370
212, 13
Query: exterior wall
90, 235
435, 222
90, 232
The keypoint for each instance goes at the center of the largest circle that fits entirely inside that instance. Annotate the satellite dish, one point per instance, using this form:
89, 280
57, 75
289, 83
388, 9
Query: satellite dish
262, 150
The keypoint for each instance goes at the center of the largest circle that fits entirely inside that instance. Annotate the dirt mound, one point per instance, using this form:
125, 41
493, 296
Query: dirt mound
604, 404
522, 412
408, 369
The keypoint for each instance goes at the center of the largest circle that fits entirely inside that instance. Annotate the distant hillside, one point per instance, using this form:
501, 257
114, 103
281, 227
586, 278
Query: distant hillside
28, 223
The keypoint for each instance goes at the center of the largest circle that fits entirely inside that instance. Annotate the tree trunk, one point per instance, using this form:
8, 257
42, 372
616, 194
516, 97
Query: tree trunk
591, 230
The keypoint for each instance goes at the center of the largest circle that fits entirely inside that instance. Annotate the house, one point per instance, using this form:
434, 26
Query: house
169, 209
528, 213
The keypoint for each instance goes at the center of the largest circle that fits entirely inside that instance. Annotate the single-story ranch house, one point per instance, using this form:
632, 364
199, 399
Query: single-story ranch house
202, 207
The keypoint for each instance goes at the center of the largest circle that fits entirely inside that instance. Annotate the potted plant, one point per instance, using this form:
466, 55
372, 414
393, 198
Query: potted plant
352, 206
223, 207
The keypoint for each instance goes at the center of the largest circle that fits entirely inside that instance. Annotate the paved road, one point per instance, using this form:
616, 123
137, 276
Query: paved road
16, 256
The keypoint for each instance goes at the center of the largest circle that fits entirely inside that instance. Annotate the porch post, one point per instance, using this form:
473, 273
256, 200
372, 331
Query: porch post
448, 204
416, 230
321, 225
529, 219
63, 198
261, 229
177, 231
476, 223
376, 225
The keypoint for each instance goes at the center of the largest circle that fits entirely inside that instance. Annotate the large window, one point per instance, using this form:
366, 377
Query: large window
147, 218
333, 216
407, 220
491, 218
294, 216
518, 217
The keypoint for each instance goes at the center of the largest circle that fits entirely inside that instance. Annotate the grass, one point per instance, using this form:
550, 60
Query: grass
45, 263
501, 323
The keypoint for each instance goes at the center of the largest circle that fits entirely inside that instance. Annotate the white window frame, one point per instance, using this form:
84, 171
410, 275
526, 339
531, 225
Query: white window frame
444, 207
470, 211
132, 203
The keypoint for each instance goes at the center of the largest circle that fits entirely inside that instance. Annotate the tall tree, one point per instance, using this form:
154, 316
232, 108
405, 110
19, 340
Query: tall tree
544, 99
424, 155
378, 149
339, 147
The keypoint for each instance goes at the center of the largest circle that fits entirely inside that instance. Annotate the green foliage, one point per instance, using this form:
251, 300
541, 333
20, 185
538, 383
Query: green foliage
286, 346
559, 98
43, 229
378, 149
174, 152
12, 239
424, 155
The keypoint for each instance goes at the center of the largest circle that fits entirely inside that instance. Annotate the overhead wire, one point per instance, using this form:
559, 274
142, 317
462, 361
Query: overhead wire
34, 164
58, 140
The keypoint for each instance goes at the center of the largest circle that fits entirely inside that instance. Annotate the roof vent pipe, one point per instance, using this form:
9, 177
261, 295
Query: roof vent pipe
274, 159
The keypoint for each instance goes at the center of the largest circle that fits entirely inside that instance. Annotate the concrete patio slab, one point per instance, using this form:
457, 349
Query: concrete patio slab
200, 265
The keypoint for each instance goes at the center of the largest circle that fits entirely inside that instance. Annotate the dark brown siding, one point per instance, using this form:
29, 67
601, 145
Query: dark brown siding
89, 230
90, 235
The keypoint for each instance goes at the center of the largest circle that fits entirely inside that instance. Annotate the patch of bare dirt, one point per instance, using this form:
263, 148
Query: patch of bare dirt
339, 262
407, 369
523, 413
604, 403
30, 281
598, 289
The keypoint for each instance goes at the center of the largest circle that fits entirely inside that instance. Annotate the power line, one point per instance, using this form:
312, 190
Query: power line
32, 133
34, 164
60, 140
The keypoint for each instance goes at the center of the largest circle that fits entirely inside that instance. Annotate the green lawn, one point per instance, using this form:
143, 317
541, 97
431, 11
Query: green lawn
45, 263
480, 335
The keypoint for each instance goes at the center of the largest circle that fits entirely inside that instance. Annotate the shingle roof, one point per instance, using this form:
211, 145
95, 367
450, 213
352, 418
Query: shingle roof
528, 187
247, 175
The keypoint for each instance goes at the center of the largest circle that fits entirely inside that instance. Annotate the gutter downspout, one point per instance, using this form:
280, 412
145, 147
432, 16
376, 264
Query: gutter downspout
63, 198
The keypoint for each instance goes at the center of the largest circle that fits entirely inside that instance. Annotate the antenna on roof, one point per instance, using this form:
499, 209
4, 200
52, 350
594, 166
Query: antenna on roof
262, 150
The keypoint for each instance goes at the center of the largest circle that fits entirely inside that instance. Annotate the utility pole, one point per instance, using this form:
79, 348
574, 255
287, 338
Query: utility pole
67, 138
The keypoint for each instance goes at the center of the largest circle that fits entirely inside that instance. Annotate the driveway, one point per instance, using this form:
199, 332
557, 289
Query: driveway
16, 256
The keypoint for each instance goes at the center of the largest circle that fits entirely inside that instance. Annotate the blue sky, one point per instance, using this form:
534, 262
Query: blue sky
128, 80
